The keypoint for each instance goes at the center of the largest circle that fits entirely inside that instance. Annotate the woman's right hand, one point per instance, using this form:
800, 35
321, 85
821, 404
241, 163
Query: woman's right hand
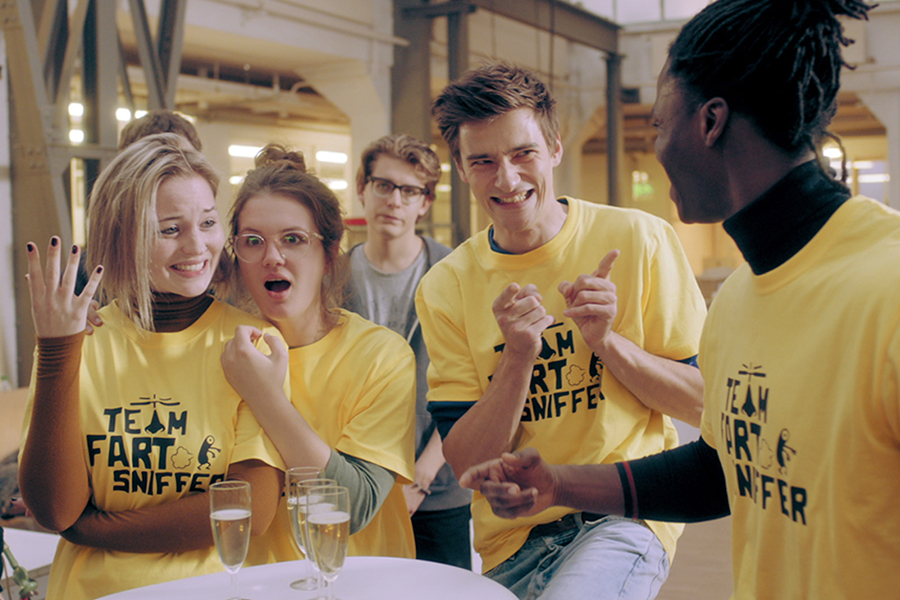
252, 374
93, 317
56, 310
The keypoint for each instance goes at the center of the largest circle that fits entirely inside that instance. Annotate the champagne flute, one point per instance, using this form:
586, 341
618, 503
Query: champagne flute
292, 478
328, 522
229, 512
302, 504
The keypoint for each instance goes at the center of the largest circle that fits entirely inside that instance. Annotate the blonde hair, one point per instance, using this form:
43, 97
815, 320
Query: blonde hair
123, 223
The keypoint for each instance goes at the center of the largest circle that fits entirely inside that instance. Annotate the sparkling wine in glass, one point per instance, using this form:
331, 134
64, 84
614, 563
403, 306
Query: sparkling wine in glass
229, 512
302, 510
293, 477
328, 522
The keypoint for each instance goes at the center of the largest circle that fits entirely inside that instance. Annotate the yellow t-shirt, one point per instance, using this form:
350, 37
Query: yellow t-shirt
160, 423
356, 387
575, 412
802, 371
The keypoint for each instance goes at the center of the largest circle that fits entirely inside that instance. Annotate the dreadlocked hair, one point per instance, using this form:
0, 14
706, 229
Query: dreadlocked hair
777, 62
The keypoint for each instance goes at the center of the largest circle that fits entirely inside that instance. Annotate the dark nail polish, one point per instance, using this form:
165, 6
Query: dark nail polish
74, 249
30, 246
99, 270
54, 241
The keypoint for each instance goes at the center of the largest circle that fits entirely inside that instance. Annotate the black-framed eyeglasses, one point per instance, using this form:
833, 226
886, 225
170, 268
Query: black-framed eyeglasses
251, 247
383, 188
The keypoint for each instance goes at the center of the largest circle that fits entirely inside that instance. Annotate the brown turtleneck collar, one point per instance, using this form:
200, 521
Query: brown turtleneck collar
172, 312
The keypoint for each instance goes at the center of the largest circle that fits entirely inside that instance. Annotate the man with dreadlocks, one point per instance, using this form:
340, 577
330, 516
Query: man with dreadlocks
801, 349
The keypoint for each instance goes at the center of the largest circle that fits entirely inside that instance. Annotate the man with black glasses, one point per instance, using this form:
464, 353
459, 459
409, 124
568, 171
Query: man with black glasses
396, 185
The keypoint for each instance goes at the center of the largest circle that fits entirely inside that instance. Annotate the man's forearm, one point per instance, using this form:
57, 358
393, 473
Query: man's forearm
683, 485
489, 427
666, 386
430, 461
591, 488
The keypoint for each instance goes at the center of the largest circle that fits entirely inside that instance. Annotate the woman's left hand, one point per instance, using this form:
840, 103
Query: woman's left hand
251, 373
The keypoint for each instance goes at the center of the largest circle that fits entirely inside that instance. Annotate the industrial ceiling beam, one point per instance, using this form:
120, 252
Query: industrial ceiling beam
39, 202
169, 45
156, 86
457, 14
557, 18
560, 18
43, 58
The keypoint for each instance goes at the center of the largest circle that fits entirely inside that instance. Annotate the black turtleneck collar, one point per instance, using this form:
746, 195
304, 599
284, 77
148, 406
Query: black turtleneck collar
172, 312
775, 226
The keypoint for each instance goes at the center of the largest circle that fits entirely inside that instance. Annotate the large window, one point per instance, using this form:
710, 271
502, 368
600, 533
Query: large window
640, 11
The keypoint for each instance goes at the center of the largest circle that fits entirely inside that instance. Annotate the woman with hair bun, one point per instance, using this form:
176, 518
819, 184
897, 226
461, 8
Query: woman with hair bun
351, 410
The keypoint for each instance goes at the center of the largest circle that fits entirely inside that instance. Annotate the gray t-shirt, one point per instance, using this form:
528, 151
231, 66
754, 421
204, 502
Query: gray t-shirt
387, 299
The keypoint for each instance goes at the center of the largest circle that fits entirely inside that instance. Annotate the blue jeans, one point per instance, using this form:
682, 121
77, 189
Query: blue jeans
610, 559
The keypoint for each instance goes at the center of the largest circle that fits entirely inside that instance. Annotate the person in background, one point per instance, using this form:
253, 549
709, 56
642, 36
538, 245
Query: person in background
159, 121
351, 412
535, 339
800, 438
125, 430
396, 185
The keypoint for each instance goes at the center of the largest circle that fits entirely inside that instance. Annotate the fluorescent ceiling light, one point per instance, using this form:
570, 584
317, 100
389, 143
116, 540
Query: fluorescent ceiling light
123, 115
76, 136
337, 184
875, 178
331, 157
235, 179
76, 109
239, 151
832, 152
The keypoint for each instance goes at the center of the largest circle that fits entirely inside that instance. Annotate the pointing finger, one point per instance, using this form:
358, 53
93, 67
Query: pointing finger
506, 297
606, 264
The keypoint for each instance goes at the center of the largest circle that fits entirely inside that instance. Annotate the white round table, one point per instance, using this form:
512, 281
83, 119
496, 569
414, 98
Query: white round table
363, 578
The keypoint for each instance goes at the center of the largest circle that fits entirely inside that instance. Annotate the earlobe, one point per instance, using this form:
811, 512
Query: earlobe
715, 114
425, 206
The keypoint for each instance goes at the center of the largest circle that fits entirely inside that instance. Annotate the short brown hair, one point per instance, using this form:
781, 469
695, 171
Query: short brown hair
122, 218
282, 171
159, 121
405, 148
489, 91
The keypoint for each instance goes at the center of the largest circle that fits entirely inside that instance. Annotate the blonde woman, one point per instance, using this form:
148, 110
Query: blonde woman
126, 429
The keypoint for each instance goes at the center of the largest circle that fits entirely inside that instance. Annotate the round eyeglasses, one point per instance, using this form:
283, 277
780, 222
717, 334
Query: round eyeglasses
251, 247
383, 188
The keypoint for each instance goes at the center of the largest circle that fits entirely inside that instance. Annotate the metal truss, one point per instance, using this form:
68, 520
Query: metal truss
50, 51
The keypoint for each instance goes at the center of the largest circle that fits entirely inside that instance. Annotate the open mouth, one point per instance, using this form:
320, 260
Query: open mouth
190, 268
521, 197
277, 285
